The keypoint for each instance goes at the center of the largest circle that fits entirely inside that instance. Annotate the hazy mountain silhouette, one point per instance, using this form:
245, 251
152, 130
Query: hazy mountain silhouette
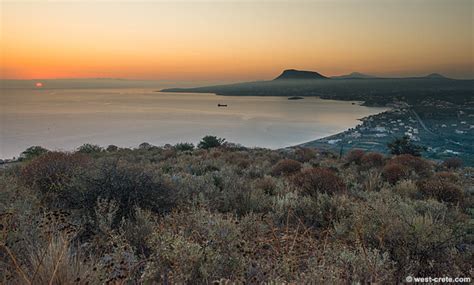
373, 91
354, 75
299, 74
435, 76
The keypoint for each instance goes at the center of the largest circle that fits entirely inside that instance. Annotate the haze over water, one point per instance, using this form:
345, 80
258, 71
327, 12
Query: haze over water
67, 118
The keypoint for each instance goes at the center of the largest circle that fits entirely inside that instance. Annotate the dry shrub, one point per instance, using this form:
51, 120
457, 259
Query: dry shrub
395, 172
286, 167
442, 187
53, 170
372, 159
413, 163
59, 264
216, 153
319, 180
169, 153
447, 177
406, 188
304, 154
453, 163
267, 184
373, 180
339, 263
355, 156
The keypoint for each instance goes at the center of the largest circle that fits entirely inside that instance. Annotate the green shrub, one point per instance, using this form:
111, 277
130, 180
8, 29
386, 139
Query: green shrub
145, 146
112, 148
208, 142
89, 149
404, 145
184, 146
32, 152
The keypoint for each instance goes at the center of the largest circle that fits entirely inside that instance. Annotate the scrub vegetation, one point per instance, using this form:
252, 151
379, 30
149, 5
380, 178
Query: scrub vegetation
220, 213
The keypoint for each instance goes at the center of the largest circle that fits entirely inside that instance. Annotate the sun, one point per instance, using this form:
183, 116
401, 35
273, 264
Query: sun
39, 84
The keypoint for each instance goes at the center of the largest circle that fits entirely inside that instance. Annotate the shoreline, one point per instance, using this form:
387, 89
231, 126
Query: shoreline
262, 144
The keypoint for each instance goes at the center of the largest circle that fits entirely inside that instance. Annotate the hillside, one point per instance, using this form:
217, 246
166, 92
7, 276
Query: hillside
230, 214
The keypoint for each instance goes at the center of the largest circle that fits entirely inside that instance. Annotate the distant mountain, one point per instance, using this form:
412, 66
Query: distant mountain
354, 75
374, 92
435, 76
299, 74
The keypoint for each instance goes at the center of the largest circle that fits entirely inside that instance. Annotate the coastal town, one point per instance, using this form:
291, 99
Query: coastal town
446, 129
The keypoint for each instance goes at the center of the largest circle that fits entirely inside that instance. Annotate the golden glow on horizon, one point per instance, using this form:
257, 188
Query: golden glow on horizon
237, 41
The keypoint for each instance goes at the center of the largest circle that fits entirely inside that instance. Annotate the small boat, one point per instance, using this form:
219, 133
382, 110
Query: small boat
221, 105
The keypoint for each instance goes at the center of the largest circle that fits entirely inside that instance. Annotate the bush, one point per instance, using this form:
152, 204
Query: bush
304, 154
355, 156
89, 148
32, 152
145, 146
407, 188
286, 167
130, 185
318, 180
335, 263
395, 172
187, 249
372, 159
208, 142
404, 145
231, 192
53, 171
112, 148
412, 163
267, 184
453, 163
184, 146
422, 237
442, 187
164, 215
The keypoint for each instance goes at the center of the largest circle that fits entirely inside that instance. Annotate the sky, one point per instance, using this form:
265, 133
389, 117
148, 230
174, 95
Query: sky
230, 40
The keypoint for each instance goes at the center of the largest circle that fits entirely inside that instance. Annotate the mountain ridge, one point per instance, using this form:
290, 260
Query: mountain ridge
299, 74
354, 75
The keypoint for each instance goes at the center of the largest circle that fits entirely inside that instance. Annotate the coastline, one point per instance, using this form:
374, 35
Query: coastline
314, 113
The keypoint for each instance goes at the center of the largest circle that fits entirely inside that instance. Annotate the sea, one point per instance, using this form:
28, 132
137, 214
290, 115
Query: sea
64, 119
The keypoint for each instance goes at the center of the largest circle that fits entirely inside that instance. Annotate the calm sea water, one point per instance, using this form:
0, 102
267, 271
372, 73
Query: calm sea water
67, 118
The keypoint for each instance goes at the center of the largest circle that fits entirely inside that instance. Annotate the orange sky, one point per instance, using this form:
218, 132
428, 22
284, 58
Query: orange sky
224, 40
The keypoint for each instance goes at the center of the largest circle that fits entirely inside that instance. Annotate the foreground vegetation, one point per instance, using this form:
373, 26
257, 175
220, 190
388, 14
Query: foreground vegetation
221, 213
